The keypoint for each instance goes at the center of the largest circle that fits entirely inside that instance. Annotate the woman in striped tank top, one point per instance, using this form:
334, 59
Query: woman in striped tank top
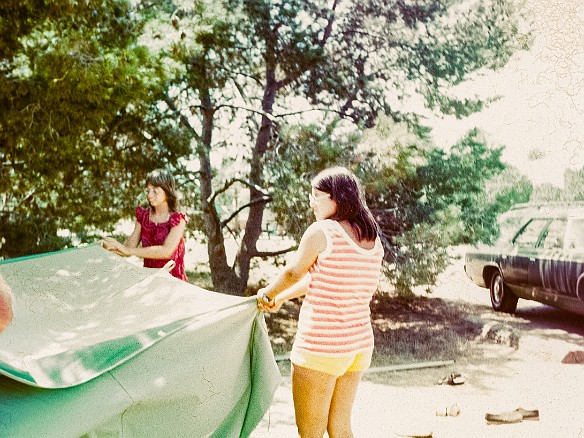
337, 269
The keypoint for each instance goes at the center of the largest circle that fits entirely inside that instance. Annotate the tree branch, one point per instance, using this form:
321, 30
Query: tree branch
325, 37
329, 26
265, 198
308, 110
188, 179
274, 253
233, 181
232, 233
346, 107
238, 73
182, 117
251, 110
273, 117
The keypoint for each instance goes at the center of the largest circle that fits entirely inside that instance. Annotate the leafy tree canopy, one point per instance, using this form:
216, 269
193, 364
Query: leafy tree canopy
76, 130
110, 90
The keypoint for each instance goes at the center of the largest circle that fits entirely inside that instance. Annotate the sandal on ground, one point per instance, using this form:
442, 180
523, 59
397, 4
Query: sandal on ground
504, 417
452, 379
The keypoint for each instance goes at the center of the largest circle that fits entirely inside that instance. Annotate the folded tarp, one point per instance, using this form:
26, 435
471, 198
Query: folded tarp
101, 347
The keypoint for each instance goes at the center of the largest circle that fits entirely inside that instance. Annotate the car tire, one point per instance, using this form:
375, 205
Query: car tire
502, 299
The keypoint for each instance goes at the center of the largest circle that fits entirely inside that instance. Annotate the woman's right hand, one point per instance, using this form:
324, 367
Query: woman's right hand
114, 246
265, 304
277, 304
105, 244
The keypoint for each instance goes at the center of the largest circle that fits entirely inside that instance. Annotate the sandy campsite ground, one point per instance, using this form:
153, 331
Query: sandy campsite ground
503, 376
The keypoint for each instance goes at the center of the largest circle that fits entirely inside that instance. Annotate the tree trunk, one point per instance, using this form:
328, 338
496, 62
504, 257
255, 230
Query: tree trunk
224, 278
253, 226
233, 280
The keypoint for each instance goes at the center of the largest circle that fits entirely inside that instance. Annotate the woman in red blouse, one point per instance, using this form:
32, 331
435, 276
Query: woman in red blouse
160, 228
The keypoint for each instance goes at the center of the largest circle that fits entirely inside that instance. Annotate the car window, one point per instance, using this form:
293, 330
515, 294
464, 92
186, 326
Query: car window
529, 235
554, 235
575, 234
508, 226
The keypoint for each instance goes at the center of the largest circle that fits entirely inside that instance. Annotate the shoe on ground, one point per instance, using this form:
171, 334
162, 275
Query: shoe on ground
449, 411
504, 417
528, 414
419, 434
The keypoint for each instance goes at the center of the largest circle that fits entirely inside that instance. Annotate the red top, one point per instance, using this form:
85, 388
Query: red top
155, 234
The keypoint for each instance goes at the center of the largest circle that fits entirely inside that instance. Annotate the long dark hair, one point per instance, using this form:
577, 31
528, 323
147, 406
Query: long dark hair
163, 179
344, 188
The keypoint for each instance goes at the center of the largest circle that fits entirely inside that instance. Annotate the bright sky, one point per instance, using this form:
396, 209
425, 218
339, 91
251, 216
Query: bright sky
541, 112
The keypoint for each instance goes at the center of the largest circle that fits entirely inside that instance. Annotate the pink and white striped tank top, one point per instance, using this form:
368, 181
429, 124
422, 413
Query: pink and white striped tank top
335, 316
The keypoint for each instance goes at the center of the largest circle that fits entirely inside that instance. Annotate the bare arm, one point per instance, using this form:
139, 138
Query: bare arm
295, 291
134, 240
163, 251
313, 242
5, 304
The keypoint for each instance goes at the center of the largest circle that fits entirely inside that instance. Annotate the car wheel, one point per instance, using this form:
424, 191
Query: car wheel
502, 299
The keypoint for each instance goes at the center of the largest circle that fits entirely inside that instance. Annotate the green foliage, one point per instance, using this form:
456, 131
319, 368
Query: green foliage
252, 60
500, 194
79, 126
302, 152
94, 95
416, 257
573, 189
427, 199
35, 234
457, 179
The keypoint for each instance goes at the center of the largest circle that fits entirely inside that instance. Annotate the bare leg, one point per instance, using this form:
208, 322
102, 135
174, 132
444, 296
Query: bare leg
341, 408
312, 392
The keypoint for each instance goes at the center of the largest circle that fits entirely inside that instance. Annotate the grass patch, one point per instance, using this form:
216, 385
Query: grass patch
420, 329
201, 277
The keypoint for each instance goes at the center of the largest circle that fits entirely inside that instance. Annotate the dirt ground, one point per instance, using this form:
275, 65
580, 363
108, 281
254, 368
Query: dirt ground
507, 361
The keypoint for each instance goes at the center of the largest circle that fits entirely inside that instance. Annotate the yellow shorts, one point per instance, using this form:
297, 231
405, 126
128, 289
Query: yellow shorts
336, 366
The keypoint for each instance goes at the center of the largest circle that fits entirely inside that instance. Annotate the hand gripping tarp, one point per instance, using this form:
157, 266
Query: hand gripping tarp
101, 347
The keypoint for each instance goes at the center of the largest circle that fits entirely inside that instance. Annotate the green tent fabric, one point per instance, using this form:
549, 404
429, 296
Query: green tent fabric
101, 347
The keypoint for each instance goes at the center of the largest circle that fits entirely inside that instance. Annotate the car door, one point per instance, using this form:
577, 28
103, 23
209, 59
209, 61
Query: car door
548, 267
515, 265
560, 274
